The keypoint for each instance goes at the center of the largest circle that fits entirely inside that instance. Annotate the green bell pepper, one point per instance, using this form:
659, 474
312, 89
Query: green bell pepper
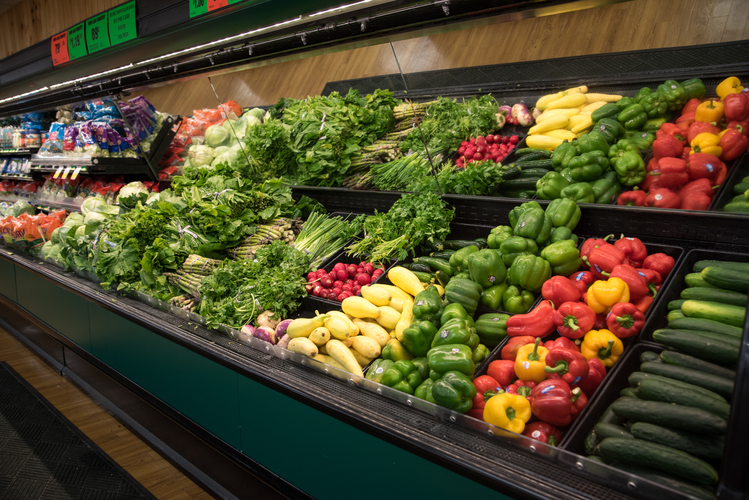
623, 103
453, 311
424, 391
529, 221
401, 375
422, 365
474, 341
395, 351
517, 301
641, 94
563, 256
655, 105
464, 292
674, 94
450, 357
653, 124
498, 235
459, 260
428, 307
563, 154
486, 267
617, 150
519, 210
516, 246
564, 233
550, 185
608, 110
418, 337
492, 296
693, 88
529, 272
643, 140
492, 328
463, 276
480, 353
580, 192
630, 168
588, 166
567, 174
609, 128
633, 117
455, 331
592, 141
454, 391
564, 213
607, 188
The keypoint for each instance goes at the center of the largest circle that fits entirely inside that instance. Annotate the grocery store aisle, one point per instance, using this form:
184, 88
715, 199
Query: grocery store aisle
160, 477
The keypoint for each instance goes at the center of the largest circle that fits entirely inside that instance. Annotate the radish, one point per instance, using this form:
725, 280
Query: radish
326, 282
356, 290
342, 274
337, 284
490, 139
333, 295
316, 290
461, 150
309, 288
465, 144
321, 272
311, 277
514, 139
324, 294
369, 268
339, 266
351, 268
477, 156
347, 287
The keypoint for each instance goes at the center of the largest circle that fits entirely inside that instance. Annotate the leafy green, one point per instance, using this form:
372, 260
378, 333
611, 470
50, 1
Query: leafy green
477, 179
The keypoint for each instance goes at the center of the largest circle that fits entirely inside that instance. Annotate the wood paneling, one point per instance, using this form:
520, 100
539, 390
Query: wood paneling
633, 25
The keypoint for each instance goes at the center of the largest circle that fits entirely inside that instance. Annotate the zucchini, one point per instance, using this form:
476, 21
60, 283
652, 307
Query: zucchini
653, 390
695, 279
533, 172
522, 184
708, 325
536, 155
714, 295
674, 315
436, 264
649, 356
728, 279
714, 347
679, 359
511, 172
417, 267
628, 392
675, 305
718, 385
723, 313
605, 431
738, 266
609, 417
545, 164
423, 277
444, 254
636, 377
658, 457
442, 278
483, 242
669, 481
708, 448
457, 244
684, 418
591, 441
526, 151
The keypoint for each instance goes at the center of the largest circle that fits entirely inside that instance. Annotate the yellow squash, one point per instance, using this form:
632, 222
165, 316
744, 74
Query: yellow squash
359, 307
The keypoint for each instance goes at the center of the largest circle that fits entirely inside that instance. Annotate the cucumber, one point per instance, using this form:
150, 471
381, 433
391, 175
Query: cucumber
695, 279
679, 359
669, 481
653, 390
590, 442
674, 315
545, 164
684, 418
442, 278
723, 313
628, 392
708, 381
675, 305
532, 172
423, 277
637, 377
511, 172
458, 244
483, 242
444, 254
523, 194
728, 279
526, 151
741, 187
714, 295
595, 458
522, 184
707, 325
709, 346
609, 417
436, 264
708, 448
658, 457
530, 157
417, 267
649, 356
605, 431
738, 266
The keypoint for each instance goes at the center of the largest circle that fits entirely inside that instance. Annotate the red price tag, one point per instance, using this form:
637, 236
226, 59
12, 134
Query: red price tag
60, 49
217, 4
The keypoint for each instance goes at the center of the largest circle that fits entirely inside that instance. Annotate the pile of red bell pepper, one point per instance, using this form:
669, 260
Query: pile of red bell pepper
689, 155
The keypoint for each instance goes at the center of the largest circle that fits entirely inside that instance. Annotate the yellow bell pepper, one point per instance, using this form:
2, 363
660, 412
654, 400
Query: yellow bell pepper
709, 111
706, 143
730, 85
602, 344
530, 363
508, 411
604, 294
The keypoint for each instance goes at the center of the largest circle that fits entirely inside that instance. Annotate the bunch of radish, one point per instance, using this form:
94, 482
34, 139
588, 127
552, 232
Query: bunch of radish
490, 147
344, 280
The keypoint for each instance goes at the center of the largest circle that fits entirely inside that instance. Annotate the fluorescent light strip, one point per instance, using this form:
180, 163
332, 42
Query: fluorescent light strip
342, 7
24, 94
89, 77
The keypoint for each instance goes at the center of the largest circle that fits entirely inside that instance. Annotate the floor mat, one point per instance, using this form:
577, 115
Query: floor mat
44, 456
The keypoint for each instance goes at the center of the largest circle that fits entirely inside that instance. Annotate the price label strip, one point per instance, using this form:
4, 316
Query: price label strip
77, 42
97, 33
60, 49
57, 172
75, 173
122, 25
66, 172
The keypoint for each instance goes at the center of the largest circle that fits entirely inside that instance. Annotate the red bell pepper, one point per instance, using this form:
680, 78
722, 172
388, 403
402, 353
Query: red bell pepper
559, 290
659, 262
591, 244
625, 320
703, 165
686, 153
552, 402
695, 201
652, 177
604, 259
582, 280
742, 126
510, 350
644, 303
667, 146
567, 365
537, 323
522, 388
652, 278
579, 400
673, 172
634, 250
638, 287
574, 319
600, 323
663, 198
502, 370
596, 373
673, 130
541, 431
690, 106
563, 343
685, 121
697, 186
733, 142
698, 128
486, 388
634, 198
736, 106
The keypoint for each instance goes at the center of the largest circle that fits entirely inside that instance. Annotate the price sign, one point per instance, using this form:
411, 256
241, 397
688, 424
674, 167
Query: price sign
77, 42
66, 171
122, 25
97, 33
57, 172
198, 7
60, 48
75, 173
216, 4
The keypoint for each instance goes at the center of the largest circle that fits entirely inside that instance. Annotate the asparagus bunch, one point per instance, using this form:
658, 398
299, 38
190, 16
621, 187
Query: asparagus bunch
275, 230
185, 302
203, 266
358, 181
244, 252
185, 281
410, 109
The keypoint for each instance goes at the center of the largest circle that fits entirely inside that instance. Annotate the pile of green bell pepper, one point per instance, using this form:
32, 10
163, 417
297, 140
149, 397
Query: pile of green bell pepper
405, 376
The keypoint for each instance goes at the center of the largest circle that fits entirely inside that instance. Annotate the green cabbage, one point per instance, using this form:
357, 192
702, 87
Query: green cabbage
200, 155
131, 194
217, 135
91, 203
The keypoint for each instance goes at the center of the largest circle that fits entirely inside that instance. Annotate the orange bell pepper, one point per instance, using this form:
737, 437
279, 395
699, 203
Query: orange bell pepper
604, 294
731, 85
706, 143
709, 111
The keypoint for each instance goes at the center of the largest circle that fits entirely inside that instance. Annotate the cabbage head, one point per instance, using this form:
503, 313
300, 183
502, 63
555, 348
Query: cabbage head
131, 194
217, 135
200, 155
